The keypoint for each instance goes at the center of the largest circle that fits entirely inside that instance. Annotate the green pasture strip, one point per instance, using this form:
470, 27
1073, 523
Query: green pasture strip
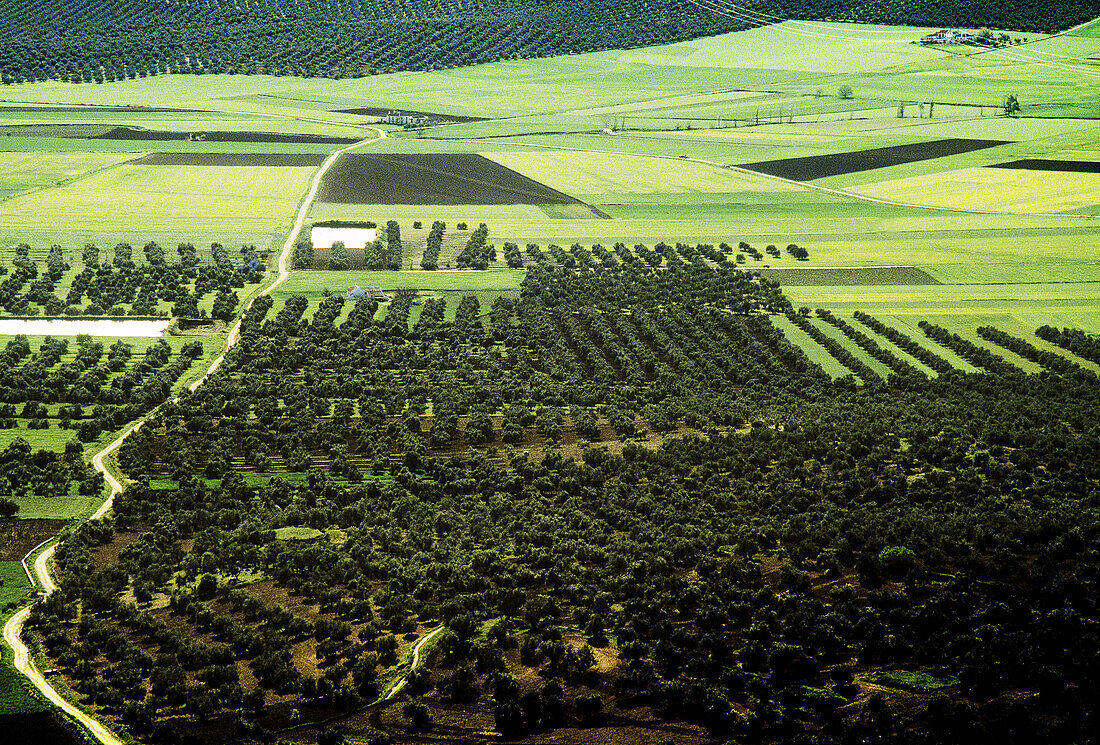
832, 331
466, 281
257, 479
15, 699
13, 586
297, 533
1088, 321
966, 325
949, 298
1023, 325
55, 507
908, 325
817, 353
989, 273
919, 681
888, 345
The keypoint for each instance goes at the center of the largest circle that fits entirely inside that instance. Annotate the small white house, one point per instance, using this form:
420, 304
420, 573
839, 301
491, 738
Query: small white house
323, 237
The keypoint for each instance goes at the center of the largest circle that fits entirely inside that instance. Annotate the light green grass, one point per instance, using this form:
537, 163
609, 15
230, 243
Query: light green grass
966, 325
919, 681
909, 327
817, 353
312, 283
833, 332
57, 506
13, 583
166, 198
14, 697
893, 348
28, 170
297, 534
253, 479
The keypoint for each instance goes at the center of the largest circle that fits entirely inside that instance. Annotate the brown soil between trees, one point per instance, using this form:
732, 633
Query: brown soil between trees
18, 536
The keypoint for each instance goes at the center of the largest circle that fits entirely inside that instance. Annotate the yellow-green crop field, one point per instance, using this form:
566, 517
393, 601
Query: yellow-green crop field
166, 197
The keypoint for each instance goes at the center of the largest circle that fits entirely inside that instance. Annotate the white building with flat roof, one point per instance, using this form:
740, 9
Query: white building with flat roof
352, 237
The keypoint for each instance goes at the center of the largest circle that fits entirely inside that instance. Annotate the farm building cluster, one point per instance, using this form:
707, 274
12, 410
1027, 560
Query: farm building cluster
946, 36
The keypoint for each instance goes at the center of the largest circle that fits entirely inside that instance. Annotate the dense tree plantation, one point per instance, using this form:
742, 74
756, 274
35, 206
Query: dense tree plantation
99, 391
115, 285
96, 41
625, 498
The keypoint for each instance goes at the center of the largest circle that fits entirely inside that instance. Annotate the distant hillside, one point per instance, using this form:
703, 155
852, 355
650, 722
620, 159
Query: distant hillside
97, 40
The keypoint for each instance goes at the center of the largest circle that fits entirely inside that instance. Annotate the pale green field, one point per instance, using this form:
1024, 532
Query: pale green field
891, 347
179, 198
996, 189
833, 332
908, 326
23, 171
13, 582
313, 283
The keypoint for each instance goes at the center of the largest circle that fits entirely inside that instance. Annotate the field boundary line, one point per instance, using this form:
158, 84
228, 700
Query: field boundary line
804, 184
68, 181
13, 629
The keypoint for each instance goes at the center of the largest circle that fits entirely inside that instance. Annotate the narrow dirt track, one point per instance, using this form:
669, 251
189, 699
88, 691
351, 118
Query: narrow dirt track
13, 629
415, 663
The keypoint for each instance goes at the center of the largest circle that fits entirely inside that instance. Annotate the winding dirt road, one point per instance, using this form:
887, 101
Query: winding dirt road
13, 629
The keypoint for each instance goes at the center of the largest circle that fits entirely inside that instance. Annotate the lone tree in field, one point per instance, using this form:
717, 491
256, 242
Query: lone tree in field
1012, 105
844, 91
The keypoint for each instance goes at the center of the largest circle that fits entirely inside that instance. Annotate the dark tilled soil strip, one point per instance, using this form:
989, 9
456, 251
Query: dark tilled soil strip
436, 178
303, 160
837, 164
1039, 164
796, 277
129, 133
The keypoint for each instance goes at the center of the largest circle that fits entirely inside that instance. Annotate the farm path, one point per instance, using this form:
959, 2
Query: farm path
415, 662
13, 629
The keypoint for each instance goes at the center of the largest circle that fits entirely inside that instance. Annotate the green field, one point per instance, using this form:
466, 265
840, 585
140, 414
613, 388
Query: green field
13, 583
451, 285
